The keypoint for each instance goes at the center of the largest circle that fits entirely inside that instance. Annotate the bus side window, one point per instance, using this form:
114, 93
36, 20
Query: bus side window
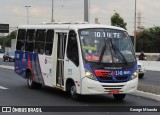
30, 38
40, 41
49, 42
21, 39
72, 48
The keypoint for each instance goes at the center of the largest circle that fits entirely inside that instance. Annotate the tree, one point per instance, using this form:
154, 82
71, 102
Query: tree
148, 40
5, 41
118, 21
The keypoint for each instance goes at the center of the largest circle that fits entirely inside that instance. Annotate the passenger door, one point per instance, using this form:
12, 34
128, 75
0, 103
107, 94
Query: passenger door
71, 62
61, 45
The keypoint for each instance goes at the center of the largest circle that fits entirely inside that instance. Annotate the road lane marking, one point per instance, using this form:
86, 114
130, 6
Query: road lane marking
1, 87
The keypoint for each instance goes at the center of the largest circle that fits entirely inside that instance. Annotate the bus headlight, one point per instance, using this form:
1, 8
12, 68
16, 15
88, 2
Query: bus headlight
90, 75
134, 75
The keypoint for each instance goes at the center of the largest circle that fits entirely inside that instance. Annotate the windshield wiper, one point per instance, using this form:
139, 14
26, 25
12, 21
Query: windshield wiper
102, 52
120, 55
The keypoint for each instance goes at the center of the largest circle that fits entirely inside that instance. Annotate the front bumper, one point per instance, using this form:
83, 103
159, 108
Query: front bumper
90, 87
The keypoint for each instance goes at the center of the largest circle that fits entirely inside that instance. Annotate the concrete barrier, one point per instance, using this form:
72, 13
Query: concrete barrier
151, 65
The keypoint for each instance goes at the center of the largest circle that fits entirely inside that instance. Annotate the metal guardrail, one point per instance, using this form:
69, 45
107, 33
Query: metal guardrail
151, 65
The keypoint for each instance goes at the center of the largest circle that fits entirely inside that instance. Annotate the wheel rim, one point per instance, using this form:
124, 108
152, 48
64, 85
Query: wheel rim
73, 91
29, 81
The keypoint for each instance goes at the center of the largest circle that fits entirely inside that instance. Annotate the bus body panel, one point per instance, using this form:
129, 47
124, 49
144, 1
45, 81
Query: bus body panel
90, 87
73, 72
46, 69
26, 60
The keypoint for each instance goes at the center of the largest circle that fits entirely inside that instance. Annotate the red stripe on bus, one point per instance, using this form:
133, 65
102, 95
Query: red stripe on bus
102, 73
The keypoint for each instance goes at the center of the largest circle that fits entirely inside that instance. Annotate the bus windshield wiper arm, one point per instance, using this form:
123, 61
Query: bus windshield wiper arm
120, 55
102, 53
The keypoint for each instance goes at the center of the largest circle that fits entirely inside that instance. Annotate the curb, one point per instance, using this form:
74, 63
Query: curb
146, 95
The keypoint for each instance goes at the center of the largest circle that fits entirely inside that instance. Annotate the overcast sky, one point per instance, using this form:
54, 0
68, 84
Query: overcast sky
14, 12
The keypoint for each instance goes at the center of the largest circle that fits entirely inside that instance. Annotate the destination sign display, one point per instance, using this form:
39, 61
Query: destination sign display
102, 33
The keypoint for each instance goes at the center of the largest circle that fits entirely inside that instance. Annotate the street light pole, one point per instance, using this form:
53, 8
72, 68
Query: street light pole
27, 14
135, 16
86, 11
52, 20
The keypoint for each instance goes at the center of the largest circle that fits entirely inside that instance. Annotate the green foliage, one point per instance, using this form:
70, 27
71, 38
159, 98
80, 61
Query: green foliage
117, 20
148, 40
5, 41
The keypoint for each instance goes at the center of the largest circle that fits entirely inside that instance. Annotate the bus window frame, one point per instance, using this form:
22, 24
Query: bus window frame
77, 64
40, 42
21, 40
46, 42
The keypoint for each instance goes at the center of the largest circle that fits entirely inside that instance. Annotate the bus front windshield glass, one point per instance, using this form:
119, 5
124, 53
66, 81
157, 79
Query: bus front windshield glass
106, 46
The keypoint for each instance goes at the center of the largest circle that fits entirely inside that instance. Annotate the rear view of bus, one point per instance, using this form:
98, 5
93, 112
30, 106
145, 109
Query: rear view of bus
109, 62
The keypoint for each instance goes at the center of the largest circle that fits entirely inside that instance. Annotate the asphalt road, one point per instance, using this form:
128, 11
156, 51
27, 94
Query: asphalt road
151, 77
18, 94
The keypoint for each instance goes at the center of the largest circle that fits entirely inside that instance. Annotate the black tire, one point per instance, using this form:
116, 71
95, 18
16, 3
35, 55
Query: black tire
73, 93
119, 97
141, 76
31, 83
4, 59
9, 60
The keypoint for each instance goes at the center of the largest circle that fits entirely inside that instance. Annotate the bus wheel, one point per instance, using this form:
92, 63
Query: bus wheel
31, 83
73, 93
119, 97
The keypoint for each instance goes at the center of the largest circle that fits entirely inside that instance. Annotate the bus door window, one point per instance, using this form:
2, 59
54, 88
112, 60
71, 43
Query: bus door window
40, 41
21, 39
30, 38
72, 48
49, 42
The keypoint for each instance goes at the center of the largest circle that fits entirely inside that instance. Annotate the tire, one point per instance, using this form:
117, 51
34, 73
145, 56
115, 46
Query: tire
31, 83
4, 59
73, 93
119, 97
141, 76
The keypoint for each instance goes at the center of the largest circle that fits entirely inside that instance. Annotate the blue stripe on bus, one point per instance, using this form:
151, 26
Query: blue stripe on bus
22, 63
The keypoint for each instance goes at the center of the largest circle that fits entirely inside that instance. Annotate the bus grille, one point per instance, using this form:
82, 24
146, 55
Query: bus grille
105, 78
121, 78
116, 78
112, 87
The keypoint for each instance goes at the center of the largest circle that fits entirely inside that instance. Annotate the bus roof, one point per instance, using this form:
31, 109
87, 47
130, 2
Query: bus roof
68, 26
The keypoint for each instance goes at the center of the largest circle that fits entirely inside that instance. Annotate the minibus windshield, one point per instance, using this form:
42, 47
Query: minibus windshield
106, 46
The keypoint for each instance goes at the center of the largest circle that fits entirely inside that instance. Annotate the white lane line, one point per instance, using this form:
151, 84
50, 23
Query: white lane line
7, 67
1, 87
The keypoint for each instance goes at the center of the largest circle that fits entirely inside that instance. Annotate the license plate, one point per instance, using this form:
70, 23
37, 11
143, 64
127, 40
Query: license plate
113, 91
